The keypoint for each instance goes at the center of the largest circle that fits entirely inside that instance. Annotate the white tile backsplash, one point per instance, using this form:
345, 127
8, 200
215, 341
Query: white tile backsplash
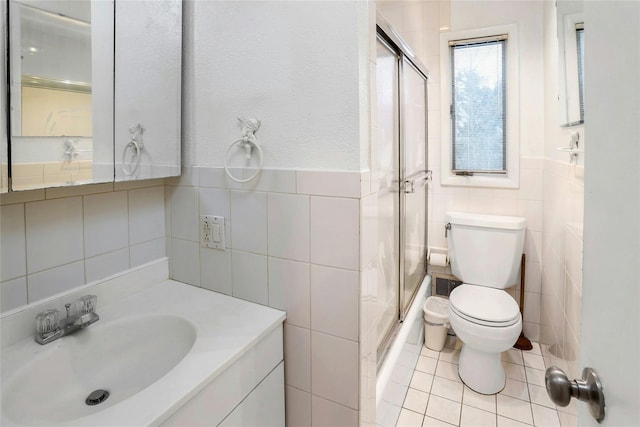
148, 251
49, 246
79, 235
185, 261
146, 214
215, 270
13, 293
290, 290
106, 223
249, 221
13, 262
55, 280
105, 265
250, 277
185, 223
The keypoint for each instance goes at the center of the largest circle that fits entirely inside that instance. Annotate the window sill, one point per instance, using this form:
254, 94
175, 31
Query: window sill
501, 181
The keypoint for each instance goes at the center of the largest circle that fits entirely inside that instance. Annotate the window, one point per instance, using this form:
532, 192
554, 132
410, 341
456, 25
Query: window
479, 104
478, 110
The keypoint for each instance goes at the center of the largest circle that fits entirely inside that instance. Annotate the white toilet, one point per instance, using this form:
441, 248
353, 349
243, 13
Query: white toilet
485, 253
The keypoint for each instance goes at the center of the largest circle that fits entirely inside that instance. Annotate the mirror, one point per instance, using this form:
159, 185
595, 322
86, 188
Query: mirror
570, 22
94, 91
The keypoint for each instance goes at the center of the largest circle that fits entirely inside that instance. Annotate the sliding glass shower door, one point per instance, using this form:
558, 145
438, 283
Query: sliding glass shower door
399, 163
386, 166
414, 178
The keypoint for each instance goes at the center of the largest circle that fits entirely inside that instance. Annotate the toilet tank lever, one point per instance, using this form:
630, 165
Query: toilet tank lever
446, 229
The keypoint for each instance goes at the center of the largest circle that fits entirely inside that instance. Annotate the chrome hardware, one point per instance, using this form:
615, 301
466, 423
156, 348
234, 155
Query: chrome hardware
446, 229
419, 178
96, 397
560, 389
409, 186
49, 326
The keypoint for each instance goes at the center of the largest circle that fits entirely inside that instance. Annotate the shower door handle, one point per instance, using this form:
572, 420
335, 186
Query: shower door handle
417, 181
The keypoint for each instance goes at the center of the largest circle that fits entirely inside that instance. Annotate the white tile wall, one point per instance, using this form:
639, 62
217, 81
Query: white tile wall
290, 290
291, 249
105, 265
106, 225
250, 277
249, 221
146, 214
288, 226
330, 314
57, 239
334, 369
561, 289
49, 246
335, 232
13, 259
55, 280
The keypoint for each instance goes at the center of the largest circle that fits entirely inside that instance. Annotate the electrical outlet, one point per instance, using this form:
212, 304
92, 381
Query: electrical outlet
212, 232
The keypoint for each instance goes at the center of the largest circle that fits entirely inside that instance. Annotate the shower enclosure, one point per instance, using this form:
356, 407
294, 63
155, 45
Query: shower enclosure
399, 161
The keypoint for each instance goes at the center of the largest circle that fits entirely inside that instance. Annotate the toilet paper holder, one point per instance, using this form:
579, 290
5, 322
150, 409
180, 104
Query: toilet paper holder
438, 256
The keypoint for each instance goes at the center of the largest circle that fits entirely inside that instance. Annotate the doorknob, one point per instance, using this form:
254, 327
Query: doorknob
560, 389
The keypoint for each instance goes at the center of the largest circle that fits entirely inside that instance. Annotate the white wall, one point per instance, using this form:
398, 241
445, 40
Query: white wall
293, 65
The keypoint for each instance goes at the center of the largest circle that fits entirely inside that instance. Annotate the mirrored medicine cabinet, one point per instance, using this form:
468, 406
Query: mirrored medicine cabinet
94, 91
570, 30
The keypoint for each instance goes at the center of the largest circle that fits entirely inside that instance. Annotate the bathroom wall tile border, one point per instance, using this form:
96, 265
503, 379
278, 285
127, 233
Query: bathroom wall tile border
80, 190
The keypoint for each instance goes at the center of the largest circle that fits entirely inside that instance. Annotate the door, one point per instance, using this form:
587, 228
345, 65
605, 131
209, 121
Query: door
414, 178
610, 336
386, 165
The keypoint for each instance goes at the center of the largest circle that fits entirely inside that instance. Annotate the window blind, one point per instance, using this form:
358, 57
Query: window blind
478, 109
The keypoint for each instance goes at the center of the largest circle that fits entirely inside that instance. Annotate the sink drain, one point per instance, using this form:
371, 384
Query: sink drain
97, 397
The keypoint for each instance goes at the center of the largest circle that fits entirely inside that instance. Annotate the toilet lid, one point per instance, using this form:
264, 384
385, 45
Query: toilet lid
484, 305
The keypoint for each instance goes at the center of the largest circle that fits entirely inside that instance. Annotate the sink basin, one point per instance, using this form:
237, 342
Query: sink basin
121, 356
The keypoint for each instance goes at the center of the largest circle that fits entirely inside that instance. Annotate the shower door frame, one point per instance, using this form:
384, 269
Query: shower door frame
388, 36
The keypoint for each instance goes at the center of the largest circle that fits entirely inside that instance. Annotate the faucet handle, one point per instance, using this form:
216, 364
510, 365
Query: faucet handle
88, 304
47, 321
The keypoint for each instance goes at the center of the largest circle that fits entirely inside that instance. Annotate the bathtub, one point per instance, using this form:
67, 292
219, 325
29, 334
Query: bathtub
176, 354
396, 370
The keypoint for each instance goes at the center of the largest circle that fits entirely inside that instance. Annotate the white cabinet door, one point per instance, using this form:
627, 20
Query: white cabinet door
148, 63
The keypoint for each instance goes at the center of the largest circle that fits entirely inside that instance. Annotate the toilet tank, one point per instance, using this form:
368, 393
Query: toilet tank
485, 249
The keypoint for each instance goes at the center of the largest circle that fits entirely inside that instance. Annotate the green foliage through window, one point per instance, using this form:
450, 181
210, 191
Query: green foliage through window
478, 110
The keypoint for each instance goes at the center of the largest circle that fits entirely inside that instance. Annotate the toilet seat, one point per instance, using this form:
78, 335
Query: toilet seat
484, 306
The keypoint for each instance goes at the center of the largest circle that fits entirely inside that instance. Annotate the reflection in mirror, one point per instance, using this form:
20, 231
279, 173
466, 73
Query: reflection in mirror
59, 86
570, 22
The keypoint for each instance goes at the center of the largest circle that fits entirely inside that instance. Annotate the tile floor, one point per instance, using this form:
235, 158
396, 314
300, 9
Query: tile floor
437, 396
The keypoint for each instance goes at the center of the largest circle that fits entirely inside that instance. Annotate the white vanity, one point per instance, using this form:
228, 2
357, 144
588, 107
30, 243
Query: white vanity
168, 354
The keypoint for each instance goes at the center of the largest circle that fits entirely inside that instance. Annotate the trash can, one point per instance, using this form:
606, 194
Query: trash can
436, 322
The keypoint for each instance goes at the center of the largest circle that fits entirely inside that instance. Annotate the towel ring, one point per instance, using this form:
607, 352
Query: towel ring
135, 158
247, 143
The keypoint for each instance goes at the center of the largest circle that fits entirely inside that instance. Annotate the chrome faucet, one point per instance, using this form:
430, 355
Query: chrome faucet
49, 326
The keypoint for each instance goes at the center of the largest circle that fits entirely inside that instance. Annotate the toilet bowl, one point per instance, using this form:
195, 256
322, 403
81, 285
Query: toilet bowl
485, 252
488, 322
